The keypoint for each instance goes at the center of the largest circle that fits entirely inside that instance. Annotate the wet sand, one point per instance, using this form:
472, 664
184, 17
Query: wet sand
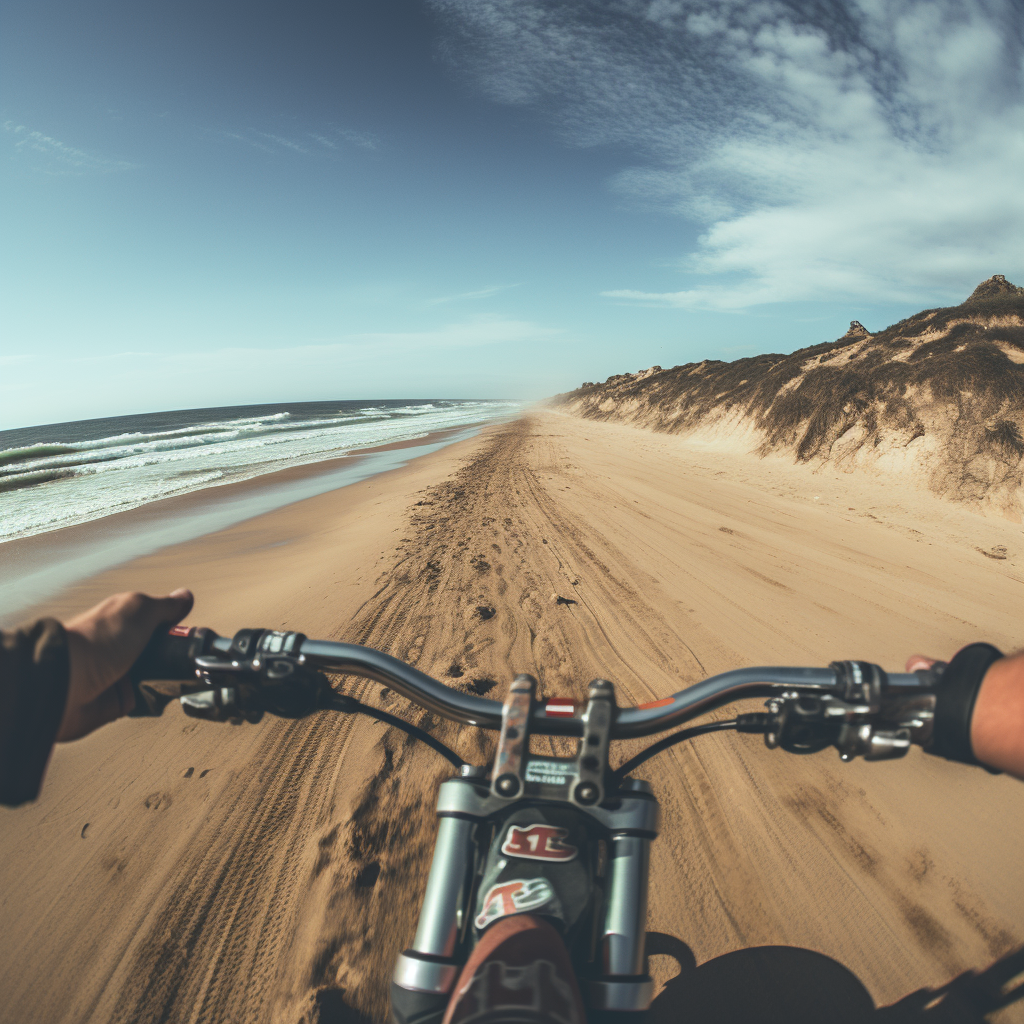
183, 871
37, 568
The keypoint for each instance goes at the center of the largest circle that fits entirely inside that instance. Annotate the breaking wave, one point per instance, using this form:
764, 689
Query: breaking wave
70, 473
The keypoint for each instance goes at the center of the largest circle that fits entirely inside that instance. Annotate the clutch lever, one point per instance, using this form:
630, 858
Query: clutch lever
242, 690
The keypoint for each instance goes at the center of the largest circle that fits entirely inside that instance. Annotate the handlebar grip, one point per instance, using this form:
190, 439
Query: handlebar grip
169, 655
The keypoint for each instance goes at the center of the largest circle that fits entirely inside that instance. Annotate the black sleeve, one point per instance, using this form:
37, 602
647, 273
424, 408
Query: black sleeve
33, 691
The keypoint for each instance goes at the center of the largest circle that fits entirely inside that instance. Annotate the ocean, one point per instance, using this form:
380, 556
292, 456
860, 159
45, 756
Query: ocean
64, 474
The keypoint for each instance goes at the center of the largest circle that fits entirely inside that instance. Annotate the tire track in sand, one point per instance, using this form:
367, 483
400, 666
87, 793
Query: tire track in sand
471, 599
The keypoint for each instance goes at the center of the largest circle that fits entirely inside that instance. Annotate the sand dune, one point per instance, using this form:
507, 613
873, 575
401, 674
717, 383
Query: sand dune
183, 871
936, 400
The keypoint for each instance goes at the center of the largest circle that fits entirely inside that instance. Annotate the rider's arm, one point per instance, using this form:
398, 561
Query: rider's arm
997, 725
60, 682
33, 693
983, 712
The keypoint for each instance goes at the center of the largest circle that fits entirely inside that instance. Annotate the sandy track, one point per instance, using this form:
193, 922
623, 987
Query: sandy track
284, 893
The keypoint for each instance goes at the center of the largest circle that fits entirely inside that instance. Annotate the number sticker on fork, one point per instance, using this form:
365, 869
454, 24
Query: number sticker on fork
538, 842
513, 897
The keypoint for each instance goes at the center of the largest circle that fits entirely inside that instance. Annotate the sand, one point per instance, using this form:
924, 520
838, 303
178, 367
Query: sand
183, 871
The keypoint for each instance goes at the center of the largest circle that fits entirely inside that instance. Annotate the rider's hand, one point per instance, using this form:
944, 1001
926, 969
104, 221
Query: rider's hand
103, 643
997, 722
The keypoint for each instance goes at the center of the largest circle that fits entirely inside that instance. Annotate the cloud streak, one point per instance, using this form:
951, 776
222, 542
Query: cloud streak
323, 141
55, 157
481, 293
474, 333
866, 149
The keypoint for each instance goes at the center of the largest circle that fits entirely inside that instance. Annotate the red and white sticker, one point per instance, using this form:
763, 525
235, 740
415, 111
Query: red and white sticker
513, 897
179, 631
558, 707
538, 842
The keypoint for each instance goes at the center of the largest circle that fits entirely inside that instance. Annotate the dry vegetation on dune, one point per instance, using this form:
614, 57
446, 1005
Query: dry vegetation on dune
939, 395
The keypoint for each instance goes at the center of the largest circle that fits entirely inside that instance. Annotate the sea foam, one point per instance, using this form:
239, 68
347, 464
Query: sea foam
64, 474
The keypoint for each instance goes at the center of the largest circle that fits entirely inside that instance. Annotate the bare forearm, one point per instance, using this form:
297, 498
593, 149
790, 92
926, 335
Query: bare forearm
997, 725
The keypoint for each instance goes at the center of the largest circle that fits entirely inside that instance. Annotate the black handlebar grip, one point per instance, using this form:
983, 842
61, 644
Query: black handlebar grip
169, 655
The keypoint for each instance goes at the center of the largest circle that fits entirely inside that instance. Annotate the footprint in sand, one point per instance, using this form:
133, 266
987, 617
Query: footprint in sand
997, 552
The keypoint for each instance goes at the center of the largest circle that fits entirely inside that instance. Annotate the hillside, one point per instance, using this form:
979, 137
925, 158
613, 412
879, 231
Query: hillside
938, 398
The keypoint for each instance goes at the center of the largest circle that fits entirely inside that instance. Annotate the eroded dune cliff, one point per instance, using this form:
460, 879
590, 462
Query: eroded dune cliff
937, 398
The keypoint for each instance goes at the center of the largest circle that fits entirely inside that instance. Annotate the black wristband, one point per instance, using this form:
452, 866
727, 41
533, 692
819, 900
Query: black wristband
956, 693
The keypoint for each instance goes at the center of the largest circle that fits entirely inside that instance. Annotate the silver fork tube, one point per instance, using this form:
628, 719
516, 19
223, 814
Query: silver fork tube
625, 919
429, 965
623, 986
438, 927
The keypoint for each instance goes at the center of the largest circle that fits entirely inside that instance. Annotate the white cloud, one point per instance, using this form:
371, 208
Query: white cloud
284, 143
481, 293
865, 149
364, 140
55, 157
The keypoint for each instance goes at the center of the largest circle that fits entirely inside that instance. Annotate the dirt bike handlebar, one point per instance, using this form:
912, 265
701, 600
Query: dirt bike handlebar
185, 653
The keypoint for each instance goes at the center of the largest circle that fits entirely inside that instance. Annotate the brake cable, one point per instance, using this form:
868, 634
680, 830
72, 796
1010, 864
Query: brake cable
340, 702
669, 741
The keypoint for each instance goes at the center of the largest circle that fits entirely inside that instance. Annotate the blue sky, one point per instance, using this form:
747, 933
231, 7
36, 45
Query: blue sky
218, 203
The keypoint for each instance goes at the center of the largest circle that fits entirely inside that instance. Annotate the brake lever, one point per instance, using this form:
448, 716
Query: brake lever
805, 724
865, 716
237, 690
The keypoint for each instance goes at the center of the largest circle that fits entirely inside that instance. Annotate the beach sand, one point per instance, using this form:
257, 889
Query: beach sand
182, 871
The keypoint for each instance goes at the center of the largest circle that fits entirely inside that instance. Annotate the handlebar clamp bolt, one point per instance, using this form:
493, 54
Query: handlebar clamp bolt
507, 785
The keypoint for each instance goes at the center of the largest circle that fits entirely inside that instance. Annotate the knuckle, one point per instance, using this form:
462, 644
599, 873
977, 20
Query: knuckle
133, 602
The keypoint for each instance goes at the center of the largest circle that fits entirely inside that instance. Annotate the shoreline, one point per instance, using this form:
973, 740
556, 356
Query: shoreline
39, 567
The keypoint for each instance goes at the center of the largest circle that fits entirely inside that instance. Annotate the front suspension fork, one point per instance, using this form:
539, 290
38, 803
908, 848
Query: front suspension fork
623, 983
425, 974
429, 965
